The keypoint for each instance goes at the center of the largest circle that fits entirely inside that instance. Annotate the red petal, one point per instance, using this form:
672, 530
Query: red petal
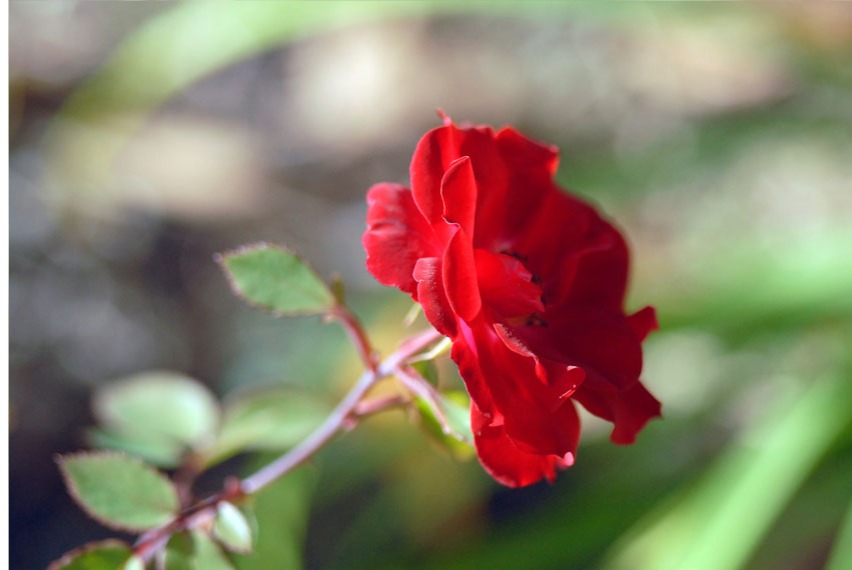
629, 409
581, 257
591, 338
460, 279
643, 322
435, 153
431, 295
530, 167
397, 236
607, 348
458, 193
513, 467
504, 382
524, 154
506, 285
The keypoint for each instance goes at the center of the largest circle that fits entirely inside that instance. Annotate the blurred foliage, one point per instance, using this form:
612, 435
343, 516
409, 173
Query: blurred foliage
718, 136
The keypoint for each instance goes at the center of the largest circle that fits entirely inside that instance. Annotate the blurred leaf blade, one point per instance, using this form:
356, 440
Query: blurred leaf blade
105, 555
156, 414
232, 529
207, 554
841, 552
120, 492
270, 420
456, 435
148, 447
738, 499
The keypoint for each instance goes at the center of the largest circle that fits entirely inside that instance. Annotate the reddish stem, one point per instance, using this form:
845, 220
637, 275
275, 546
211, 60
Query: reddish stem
152, 542
356, 333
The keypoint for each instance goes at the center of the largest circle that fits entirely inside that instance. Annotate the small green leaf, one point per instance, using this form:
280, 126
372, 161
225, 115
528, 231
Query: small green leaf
267, 420
104, 555
156, 414
428, 370
193, 551
276, 280
453, 431
232, 529
134, 563
281, 512
119, 491
146, 446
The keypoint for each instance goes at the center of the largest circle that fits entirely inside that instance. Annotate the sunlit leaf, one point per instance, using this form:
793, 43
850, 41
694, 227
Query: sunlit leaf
232, 529
276, 280
267, 420
134, 563
156, 414
452, 429
193, 551
119, 491
105, 555
427, 370
208, 555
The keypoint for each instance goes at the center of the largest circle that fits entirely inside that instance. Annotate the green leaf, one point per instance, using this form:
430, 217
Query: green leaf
179, 553
267, 420
194, 551
156, 414
232, 529
739, 497
119, 491
428, 370
276, 280
841, 551
208, 555
282, 512
453, 430
146, 446
134, 563
104, 555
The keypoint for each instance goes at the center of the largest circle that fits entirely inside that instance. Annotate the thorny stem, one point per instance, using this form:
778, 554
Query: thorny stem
337, 418
356, 333
204, 511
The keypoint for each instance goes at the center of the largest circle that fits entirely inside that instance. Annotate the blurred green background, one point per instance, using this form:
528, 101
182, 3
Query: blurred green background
145, 137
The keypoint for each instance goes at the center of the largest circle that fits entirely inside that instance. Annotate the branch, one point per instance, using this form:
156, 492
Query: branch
235, 490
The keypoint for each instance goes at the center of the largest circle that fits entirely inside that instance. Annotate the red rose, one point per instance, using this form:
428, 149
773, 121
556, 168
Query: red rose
528, 282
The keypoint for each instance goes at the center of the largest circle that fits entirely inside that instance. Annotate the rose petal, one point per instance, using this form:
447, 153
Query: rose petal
643, 322
397, 236
581, 258
512, 467
431, 295
629, 408
460, 279
458, 194
506, 285
498, 378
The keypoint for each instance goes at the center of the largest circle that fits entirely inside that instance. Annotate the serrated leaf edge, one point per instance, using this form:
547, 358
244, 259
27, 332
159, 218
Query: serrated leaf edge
72, 489
69, 556
221, 259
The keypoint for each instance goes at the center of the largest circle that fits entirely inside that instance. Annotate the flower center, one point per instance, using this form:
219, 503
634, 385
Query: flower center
507, 287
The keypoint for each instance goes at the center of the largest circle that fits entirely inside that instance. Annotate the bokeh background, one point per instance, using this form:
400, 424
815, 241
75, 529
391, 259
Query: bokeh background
145, 137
